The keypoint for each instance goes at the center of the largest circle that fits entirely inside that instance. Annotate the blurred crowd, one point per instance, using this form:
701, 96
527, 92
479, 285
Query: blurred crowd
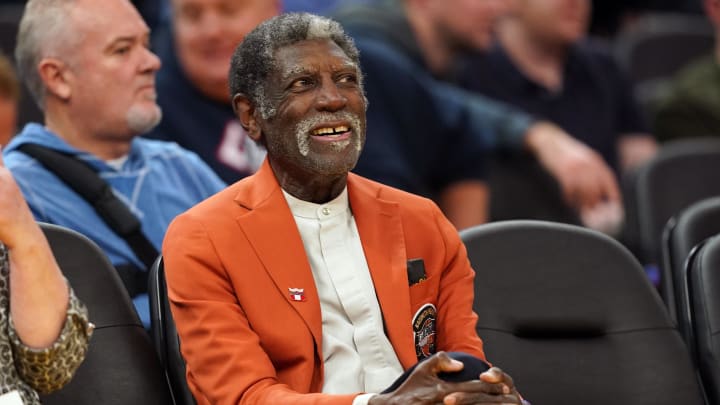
496, 110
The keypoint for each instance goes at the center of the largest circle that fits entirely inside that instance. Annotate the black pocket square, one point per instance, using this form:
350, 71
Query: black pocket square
415, 271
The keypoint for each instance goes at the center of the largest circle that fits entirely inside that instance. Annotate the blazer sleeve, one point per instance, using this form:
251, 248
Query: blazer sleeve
226, 363
456, 319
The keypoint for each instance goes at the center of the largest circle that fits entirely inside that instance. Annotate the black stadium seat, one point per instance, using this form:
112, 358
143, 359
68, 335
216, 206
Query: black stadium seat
682, 233
167, 343
704, 291
682, 173
570, 314
121, 367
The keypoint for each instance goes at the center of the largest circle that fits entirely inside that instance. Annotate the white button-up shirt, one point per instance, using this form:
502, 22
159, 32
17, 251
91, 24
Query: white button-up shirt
357, 354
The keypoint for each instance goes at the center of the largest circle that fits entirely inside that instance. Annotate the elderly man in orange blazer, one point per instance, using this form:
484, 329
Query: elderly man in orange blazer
304, 283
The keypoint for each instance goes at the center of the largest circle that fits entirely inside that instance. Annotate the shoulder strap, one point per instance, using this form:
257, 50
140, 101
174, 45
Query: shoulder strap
87, 183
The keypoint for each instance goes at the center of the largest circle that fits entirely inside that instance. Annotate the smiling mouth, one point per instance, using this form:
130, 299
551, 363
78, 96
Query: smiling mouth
330, 131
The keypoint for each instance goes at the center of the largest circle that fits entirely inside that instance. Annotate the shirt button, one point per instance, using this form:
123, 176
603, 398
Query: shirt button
326, 211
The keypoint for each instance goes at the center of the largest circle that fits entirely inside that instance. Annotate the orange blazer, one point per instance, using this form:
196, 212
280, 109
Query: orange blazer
231, 260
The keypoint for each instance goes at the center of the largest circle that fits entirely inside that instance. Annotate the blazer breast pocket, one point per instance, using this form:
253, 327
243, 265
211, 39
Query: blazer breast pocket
420, 294
422, 289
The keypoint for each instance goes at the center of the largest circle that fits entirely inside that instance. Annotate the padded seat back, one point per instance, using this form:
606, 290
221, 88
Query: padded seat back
704, 291
570, 314
682, 233
683, 172
121, 367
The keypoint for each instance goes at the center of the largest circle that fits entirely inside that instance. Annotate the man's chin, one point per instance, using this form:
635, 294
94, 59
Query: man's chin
330, 167
143, 119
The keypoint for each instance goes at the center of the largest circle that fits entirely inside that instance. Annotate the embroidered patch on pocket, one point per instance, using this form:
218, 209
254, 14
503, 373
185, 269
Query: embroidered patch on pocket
424, 329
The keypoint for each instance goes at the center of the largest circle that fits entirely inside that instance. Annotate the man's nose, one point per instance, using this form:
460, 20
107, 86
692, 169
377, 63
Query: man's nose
330, 98
151, 62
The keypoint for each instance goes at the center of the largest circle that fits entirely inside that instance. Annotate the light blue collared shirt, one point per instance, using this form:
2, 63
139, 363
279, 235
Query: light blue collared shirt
157, 181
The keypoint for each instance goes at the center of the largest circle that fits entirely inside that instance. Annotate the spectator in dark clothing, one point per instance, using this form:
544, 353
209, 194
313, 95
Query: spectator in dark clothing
542, 65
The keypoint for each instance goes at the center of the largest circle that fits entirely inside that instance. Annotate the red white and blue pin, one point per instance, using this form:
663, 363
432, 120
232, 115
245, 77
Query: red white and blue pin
297, 294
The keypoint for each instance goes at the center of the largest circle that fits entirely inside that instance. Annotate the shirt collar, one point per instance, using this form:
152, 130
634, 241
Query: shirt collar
305, 209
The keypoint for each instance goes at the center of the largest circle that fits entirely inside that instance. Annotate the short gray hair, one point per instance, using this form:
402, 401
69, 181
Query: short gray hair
43, 28
254, 58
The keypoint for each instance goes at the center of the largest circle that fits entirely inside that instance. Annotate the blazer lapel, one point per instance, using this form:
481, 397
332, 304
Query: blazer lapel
271, 230
381, 233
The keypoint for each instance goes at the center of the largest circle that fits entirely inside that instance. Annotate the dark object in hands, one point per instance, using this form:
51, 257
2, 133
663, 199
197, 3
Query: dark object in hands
472, 370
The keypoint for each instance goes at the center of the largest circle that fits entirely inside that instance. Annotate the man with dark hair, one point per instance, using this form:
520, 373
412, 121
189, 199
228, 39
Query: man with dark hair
307, 284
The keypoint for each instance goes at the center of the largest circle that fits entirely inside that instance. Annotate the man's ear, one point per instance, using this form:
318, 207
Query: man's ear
245, 111
56, 76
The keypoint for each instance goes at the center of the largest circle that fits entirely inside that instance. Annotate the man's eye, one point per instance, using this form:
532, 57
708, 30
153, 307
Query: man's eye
347, 79
122, 50
300, 83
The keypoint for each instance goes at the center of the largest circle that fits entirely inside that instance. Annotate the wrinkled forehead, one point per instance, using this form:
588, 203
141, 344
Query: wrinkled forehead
309, 55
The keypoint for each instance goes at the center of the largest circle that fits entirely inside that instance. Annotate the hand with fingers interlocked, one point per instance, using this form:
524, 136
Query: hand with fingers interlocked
425, 386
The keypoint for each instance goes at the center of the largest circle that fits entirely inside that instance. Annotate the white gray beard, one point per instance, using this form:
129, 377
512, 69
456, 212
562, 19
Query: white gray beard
141, 119
303, 129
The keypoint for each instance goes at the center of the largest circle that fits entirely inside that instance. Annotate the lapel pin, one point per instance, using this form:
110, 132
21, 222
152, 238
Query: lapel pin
297, 294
